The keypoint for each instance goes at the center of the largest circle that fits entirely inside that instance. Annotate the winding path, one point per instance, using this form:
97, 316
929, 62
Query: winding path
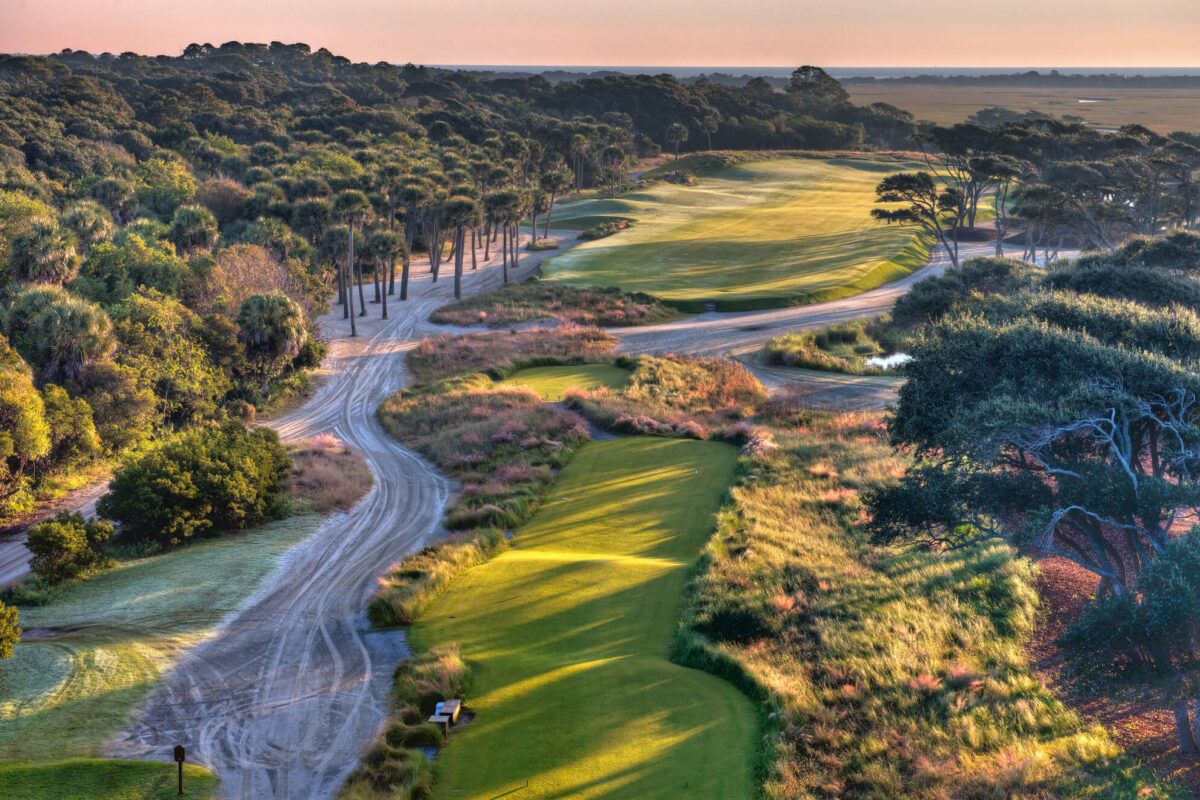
285, 698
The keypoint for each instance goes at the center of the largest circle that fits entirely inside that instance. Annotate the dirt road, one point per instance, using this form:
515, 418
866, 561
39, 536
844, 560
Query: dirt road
285, 698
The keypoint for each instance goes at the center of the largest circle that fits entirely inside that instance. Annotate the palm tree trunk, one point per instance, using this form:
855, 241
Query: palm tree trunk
504, 254
349, 300
474, 246
362, 299
383, 297
375, 281
341, 290
549, 214
458, 262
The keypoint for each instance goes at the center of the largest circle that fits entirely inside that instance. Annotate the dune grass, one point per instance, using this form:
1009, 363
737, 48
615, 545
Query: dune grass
890, 674
567, 632
755, 235
103, 779
90, 655
552, 382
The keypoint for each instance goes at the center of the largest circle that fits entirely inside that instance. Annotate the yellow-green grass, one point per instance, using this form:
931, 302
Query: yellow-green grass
755, 235
567, 634
103, 779
96, 651
552, 382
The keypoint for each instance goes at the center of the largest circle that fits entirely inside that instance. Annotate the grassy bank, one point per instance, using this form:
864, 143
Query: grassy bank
755, 235
567, 633
90, 655
551, 383
888, 674
538, 300
103, 779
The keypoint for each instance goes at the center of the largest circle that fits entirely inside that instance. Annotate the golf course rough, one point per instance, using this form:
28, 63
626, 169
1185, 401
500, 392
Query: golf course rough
757, 235
567, 635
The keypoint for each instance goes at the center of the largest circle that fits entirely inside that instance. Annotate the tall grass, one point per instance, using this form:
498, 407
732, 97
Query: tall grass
888, 674
443, 356
396, 766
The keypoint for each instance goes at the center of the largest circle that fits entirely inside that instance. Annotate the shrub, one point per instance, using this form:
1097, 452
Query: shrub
204, 480
542, 244
10, 630
67, 546
605, 229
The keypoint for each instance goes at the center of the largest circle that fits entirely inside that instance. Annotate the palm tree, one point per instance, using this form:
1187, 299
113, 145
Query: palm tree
272, 330
58, 332
193, 228
89, 221
414, 193
539, 204
578, 151
382, 248
677, 134
461, 212
45, 253
353, 208
554, 183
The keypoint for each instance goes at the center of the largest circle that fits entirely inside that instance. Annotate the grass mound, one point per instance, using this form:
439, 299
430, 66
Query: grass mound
443, 356
892, 674
103, 779
839, 348
696, 398
753, 235
567, 632
536, 300
550, 383
503, 443
326, 474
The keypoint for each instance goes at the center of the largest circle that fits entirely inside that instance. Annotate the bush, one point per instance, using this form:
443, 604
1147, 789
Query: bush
542, 244
67, 546
205, 480
605, 229
10, 630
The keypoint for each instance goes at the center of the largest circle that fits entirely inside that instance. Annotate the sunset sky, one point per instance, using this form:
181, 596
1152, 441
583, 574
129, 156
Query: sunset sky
1119, 33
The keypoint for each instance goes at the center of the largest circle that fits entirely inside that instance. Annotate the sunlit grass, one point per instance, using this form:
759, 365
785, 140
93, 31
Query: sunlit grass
103, 779
567, 635
94, 653
756, 235
552, 382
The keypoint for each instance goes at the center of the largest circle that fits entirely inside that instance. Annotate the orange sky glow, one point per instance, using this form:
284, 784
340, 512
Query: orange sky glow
1083, 33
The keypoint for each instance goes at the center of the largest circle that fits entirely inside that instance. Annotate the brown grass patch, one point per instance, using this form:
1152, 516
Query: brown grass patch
326, 474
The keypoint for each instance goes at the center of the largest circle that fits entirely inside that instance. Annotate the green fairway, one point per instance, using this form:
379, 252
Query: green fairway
90, 656
756, 235
567, 636
103, 779
551, 382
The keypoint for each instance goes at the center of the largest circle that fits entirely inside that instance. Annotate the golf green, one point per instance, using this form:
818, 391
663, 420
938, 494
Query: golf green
757, 235
552, 382
567, 636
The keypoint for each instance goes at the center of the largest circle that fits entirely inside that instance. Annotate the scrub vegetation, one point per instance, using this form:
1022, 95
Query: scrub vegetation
838, 348
538, 300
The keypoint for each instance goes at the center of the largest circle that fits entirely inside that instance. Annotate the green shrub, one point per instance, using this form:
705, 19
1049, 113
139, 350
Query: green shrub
208, 479
605, 229
67, 546
10, 630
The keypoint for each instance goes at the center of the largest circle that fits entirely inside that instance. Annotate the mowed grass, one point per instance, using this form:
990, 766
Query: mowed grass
552, 382
103, 779
756, 235
91, 655
567, 636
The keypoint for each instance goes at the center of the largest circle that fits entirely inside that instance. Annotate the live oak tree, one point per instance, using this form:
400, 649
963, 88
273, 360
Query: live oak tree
937, 211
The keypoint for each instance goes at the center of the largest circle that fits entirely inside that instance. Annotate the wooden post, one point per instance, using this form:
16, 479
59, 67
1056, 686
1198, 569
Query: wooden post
180, 755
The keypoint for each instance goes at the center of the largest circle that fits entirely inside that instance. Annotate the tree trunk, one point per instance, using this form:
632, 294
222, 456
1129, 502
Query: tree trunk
384, 296
549, 214
1184, 732
349, 296
458, 262
362, 299
504, 255
341, 289
375, 281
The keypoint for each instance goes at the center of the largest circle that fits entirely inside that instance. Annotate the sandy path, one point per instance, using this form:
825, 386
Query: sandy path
285, 698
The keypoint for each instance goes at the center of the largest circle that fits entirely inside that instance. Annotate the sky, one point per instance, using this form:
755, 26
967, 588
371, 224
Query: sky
747, 33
